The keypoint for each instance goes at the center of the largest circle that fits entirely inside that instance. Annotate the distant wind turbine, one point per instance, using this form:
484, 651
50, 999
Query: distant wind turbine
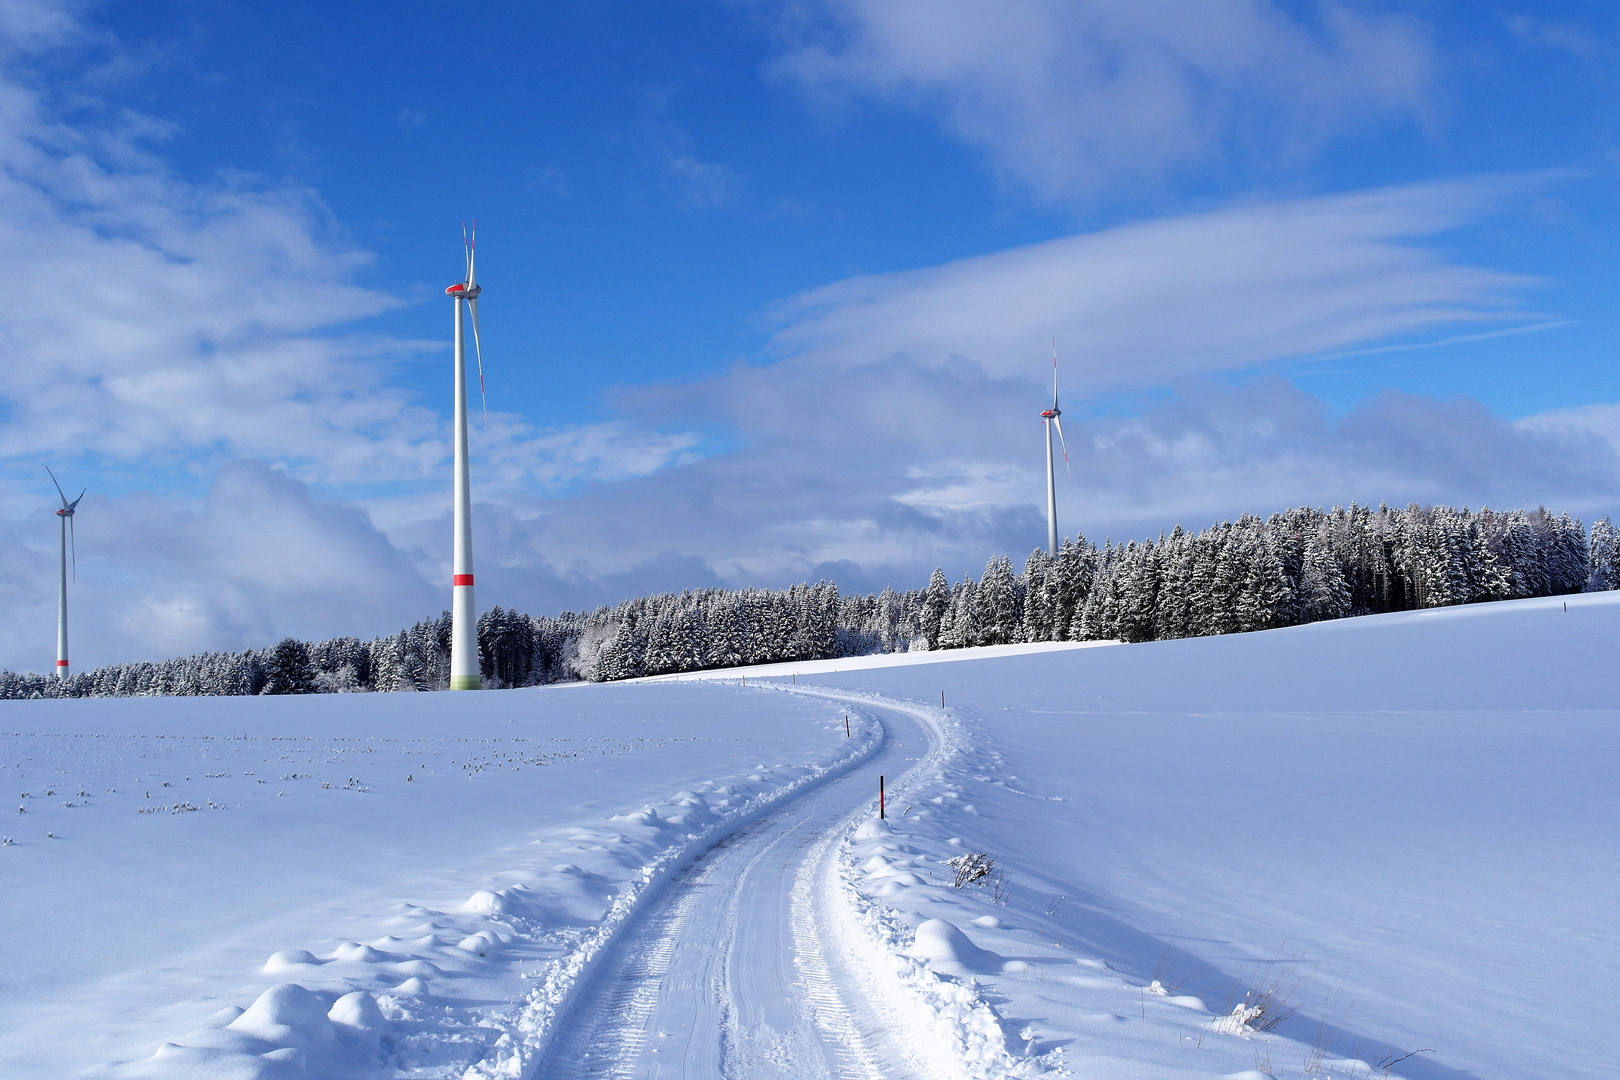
66, 514
464, 673
1049, 417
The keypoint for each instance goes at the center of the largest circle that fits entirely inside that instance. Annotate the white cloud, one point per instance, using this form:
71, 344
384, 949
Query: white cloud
1072, 98
876, 476
161, 322
163, 317
1599, 421
258, 559
1144, 305
700, 185
1577, 41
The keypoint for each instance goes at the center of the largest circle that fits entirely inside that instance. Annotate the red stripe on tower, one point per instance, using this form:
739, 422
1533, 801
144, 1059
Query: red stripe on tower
461, 579
61, 663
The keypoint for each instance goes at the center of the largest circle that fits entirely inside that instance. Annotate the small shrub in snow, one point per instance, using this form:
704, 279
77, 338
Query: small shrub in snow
1243, 1019
970, 867
1268, 1004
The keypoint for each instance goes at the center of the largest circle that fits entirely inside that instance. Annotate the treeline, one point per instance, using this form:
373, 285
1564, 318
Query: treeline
1303, 565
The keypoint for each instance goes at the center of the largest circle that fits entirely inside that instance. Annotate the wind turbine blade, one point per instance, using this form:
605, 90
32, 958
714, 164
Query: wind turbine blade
59, 490
478, 351
1059, 422
472, 255
73, 545
1054, 373
74, 505
466, 247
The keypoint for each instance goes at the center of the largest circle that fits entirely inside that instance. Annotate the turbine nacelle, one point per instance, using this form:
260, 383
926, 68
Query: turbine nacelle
461, 290
1049, 414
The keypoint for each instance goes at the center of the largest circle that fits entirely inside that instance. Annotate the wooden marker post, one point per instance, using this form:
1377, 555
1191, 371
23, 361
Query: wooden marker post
846, 725
942, 699
881, 811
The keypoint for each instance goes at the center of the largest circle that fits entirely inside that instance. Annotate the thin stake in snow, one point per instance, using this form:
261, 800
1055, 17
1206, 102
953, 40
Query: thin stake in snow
881, 813
846, 725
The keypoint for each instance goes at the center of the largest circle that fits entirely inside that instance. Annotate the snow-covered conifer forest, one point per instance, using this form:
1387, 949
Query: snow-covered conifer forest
1300, 566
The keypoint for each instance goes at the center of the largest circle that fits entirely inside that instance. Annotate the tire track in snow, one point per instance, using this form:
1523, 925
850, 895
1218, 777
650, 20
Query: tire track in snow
624, 1005
744, 967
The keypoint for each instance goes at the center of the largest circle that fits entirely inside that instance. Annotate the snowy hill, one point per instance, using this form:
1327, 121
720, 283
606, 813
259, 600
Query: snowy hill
1397, 824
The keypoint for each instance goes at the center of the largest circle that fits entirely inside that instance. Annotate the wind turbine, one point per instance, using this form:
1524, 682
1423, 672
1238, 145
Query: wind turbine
1049, 417
464, 672
66, 514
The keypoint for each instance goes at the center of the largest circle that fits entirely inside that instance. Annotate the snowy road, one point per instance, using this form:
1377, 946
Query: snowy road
748, 964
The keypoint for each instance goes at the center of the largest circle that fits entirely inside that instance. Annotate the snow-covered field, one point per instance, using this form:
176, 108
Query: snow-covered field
1410, 820
170, 846
1402, 827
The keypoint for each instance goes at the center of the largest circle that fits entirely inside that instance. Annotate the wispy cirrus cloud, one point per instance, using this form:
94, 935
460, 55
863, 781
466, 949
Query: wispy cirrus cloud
1147, 304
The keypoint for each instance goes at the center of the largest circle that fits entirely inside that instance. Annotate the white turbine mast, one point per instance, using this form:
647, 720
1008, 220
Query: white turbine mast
1049, 417
464, 671
68, 541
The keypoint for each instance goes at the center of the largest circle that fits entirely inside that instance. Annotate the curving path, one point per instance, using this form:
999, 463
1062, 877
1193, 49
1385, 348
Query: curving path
748, 965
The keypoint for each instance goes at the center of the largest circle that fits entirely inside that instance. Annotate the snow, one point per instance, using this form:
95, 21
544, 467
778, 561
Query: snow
877, 660
1307, 852
431, 850
1404, 824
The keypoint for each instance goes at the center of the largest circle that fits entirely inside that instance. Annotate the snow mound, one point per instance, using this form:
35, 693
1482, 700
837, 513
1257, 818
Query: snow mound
289, 960
873, 829
356, 953
287, 1015
358, 1010
485, 902
943, 947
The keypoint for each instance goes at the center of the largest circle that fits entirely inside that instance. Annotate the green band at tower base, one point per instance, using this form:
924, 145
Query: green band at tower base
466, 682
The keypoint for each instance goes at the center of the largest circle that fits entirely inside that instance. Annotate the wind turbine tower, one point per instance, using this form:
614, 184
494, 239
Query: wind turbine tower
1049, 417
66, 514
464, 672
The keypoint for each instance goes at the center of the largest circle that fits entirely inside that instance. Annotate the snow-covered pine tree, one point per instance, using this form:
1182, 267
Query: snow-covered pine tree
936, 602
960, 627
1136, 583
1040, 596
1324, 593
1076, 570
1603, 558
1172, 611
997, 612
1097, 618
387, 666
289, 670
1567, 555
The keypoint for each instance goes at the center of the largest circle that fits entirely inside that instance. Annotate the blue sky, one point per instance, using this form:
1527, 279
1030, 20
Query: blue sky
768, 287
